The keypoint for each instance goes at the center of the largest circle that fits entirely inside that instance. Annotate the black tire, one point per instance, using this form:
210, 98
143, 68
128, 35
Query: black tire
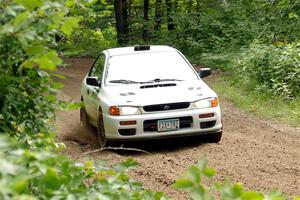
214, 137
84, 120
101, 132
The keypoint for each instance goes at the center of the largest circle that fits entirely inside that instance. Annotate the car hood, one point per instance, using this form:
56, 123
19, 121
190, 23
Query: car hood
158, 93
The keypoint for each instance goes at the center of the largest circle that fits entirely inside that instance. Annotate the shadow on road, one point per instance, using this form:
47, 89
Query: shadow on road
160, 145
89, 136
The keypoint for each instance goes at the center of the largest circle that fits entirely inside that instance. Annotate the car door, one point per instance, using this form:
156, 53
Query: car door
91, 94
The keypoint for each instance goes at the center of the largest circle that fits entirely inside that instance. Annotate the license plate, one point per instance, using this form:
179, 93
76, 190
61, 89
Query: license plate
167, 125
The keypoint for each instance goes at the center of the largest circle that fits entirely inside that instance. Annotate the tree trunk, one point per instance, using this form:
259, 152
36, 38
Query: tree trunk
158, 15
121, 21
189, 6
198, 7
170, 21
146, 19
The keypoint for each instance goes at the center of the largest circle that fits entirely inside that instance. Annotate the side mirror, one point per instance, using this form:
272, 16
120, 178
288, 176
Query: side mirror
93, 81
204, 72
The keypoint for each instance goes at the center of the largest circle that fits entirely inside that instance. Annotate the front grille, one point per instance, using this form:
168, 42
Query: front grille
167, 106
151, 125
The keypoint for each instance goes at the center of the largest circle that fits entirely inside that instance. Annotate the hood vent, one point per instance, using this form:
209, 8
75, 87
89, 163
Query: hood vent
158, 85
127, 94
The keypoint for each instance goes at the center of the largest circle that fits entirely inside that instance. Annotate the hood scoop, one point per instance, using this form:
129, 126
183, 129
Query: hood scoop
158, 85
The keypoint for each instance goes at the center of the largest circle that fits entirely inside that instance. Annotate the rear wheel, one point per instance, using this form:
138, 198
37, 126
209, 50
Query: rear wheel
214, 137
101, 132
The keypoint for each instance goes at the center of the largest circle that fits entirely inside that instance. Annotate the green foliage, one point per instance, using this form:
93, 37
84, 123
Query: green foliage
30, 166
69, 24
192, 180
97, 40
271, 69
93, 35
224, 36
265, 105
27, 93
42, 174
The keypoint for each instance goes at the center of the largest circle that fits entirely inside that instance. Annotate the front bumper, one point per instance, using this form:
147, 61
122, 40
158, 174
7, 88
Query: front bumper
112, 124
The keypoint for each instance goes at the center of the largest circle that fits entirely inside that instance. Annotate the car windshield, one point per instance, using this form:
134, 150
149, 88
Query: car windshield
148, 67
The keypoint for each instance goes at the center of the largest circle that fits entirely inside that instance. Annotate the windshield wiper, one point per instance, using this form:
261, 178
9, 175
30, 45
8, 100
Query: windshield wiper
123, 81
166, 79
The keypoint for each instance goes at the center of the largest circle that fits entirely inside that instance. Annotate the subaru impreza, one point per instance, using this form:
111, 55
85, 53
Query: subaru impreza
148, 92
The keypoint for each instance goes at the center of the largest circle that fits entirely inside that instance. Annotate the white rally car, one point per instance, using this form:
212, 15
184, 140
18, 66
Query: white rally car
147, 92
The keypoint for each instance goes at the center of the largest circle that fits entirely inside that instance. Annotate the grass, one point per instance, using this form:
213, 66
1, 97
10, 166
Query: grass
271, 107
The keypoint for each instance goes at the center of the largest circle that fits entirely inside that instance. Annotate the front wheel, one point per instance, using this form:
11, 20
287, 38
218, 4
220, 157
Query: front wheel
84, 120
101, 132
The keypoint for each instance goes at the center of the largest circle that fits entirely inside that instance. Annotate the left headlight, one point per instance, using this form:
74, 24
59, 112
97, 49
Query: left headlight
124, 110
206, 103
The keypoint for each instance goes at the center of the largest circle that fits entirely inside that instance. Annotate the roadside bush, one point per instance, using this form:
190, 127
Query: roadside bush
89, 42
26, 61
40, 174
210, 31
193, 178
30, 165
270, 69
95, 33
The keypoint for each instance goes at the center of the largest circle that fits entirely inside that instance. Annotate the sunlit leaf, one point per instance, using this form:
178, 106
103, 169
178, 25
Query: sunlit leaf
183, 183
252, 196
70, 3
30, 4
237, 190
209, 172
193, 173
57, 85
127, 164
48, 61
53, 56
7, 28
293, 16
202, 164
45, 63
20, 20
51, 178
34, 49
20, 184
58, 75
91, 2
69, 24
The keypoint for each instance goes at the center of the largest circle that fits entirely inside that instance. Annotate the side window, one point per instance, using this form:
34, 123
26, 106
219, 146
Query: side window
98, 66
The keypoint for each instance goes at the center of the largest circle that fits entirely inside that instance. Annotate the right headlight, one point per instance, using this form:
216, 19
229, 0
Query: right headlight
124, 110
128, 110
206, 103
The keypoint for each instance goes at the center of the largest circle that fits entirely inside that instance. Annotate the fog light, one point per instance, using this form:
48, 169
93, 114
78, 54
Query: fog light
124, 123
207, 115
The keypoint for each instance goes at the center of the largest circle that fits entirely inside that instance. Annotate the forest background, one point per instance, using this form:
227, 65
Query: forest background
254, 43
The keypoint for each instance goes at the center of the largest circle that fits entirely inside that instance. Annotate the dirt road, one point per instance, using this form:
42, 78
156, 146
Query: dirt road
257, 152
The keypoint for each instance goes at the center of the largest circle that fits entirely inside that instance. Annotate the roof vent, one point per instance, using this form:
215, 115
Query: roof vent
141, 47
158, 85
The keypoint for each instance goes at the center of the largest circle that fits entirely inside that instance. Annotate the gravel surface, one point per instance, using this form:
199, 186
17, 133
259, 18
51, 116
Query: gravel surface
259, 153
